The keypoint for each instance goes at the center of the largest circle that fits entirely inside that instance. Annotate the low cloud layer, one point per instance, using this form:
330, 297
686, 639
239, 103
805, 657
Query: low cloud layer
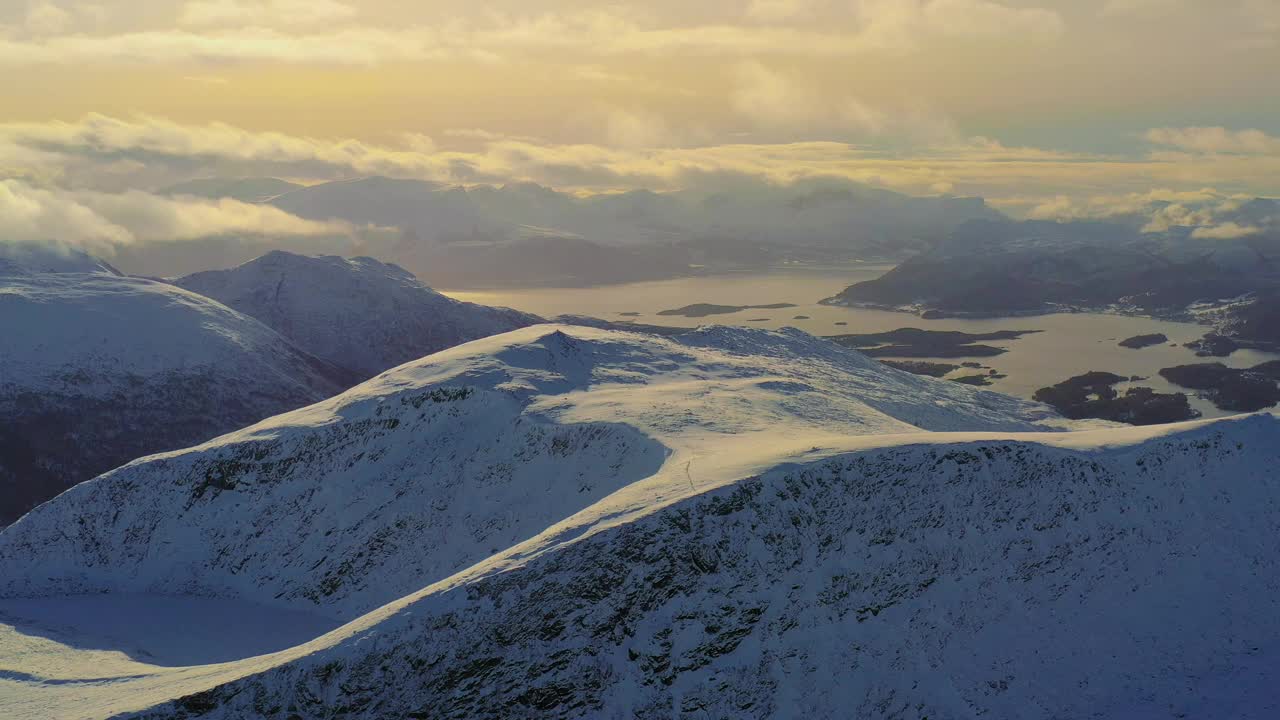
102, 222
263, 13
1216, 140
101, 152
1208, 213
294, 31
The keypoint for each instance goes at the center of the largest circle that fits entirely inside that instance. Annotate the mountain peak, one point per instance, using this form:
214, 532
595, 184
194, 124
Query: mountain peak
359, 313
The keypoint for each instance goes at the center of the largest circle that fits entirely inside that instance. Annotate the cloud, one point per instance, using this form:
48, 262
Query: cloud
102, 140
220, 31
101, 222
1208, 212
906, 24
778, 10
1225, 231
46, 18
1263, 16
1138, 7
1096, 207
102, 152
276, 13
773, 100
354, 46
634, 128
1216, 140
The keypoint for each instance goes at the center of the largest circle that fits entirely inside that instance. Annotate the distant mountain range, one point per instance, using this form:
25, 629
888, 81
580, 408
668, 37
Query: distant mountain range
572, 522
994, 268
526, 234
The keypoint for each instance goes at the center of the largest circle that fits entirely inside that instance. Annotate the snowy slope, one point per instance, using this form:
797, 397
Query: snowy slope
97, 369
570, 522
996, 578
468, 452
359, 313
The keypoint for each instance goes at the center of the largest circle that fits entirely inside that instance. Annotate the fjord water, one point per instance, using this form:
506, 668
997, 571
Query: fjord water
1070, 343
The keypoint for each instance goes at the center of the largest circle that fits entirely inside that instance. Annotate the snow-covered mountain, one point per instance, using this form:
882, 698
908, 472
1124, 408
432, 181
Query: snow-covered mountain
471, 450
572, 522
357, 313
1013, 268
97, 369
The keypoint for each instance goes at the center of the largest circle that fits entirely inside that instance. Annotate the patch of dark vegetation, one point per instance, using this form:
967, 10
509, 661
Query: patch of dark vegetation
1214, 345
921, 367
917, 343
1247, 390
1093, 395
629, 314
801, 317
1137, 342
698, 310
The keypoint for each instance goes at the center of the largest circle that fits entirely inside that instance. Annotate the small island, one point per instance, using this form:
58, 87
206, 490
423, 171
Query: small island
921, 367
917, 343
1093, 395
1239, 390
1137, 342
979, 380
698, 310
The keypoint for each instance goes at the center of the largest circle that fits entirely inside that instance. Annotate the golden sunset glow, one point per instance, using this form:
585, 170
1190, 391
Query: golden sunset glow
1045, 108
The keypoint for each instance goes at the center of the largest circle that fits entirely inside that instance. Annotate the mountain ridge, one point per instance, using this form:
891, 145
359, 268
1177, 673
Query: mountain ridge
770, 526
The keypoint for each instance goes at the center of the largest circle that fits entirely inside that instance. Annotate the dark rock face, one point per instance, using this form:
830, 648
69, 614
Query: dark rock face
1228, 388
1137, 342
1092, 395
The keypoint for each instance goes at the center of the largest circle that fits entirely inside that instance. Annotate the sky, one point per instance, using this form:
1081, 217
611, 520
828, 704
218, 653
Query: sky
1047, 108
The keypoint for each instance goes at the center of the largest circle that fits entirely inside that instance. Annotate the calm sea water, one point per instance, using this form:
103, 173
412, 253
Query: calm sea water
1071, 344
